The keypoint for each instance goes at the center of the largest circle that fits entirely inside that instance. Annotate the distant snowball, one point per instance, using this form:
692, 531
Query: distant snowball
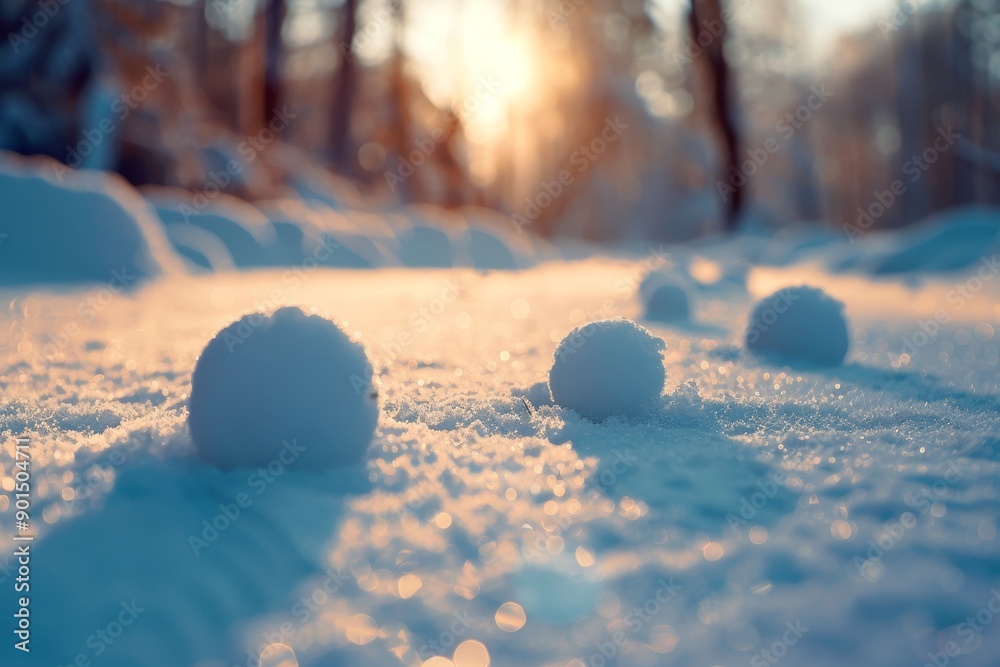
287, 387
668, 303
653, 280
799, 324
608, 367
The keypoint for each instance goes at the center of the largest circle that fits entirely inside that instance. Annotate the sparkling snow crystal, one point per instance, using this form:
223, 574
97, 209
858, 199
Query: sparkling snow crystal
608, 367
288, 385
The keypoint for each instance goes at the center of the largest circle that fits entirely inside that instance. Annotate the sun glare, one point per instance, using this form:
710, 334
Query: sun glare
494, 73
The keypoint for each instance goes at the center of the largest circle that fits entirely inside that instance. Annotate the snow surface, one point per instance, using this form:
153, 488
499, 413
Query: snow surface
856, 503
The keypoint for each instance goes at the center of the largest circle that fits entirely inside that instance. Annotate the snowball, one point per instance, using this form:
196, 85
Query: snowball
608, 367
286, 385
800, 324
668, 302
649, 284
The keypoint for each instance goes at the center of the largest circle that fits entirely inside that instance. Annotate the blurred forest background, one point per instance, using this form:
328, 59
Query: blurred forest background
603, 119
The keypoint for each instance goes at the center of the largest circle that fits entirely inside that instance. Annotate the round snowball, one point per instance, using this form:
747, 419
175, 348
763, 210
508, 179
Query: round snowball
653, 280
606, 368
799, 325
288, 387
668, 303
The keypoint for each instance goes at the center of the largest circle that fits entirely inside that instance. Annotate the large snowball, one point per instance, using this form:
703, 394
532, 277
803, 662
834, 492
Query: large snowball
608, 367
285, 386
798, 324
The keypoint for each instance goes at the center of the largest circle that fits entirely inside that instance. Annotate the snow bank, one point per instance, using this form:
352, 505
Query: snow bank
348, 239
248, 236
799, 324
948, 241
61, 226
288, 386
607, 367
490, 241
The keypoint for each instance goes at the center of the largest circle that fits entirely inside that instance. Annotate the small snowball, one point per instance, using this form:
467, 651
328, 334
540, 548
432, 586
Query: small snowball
608, 367
289, 387
799, 324
668, 303
653, 280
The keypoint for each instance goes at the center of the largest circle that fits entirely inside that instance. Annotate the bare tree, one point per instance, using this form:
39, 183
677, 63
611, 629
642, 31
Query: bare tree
343, 100
706, 15
274, 19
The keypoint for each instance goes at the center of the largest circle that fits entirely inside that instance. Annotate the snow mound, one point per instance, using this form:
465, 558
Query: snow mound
247, 235
342, 239
948, 241
425, 246
799, 324
423, 240
668, 302
490, 242
61, 226
289, 387
607, 367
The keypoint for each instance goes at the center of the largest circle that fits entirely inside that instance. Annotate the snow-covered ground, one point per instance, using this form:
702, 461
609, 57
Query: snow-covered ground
755, 514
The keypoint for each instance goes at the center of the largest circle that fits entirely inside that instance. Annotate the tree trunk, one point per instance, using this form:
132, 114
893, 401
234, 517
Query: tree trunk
274, 19
343, 101
707, 15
